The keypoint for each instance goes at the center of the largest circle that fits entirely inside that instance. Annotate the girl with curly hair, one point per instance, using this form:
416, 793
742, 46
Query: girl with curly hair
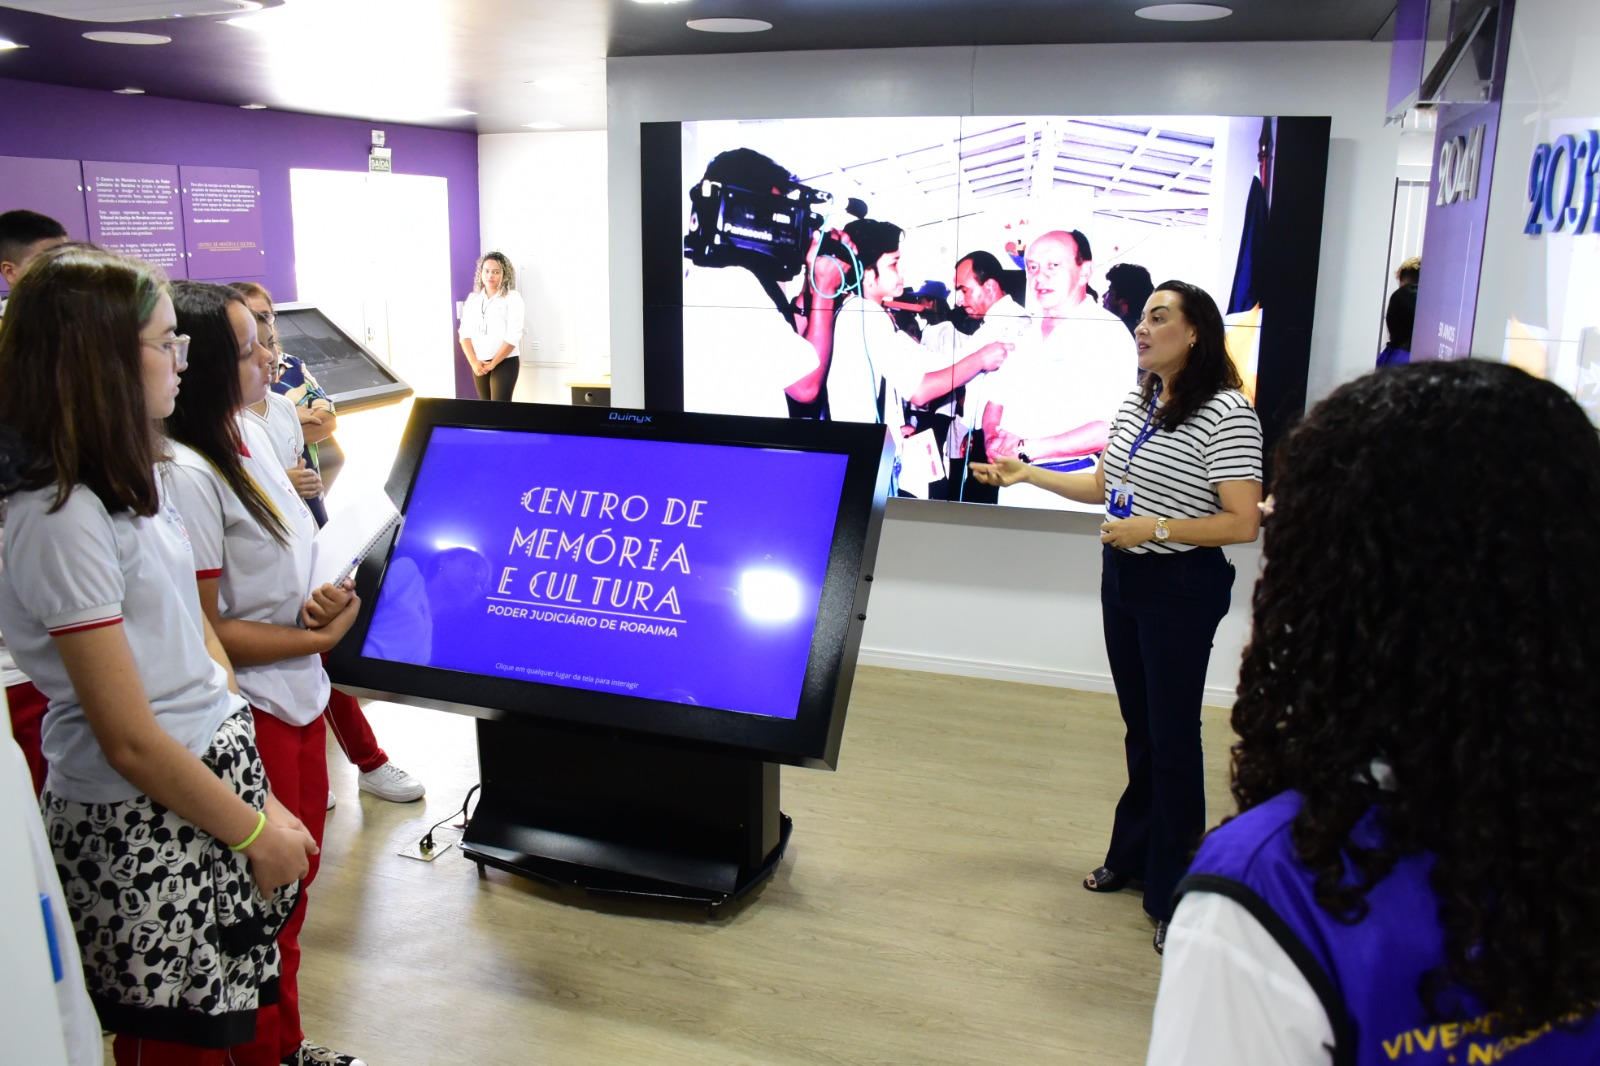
1414, 872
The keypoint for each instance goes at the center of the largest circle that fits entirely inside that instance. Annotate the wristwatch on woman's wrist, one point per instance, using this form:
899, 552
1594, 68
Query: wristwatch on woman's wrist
1163, 531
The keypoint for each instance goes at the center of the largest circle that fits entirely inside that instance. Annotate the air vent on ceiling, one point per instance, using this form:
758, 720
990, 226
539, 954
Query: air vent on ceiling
137, 10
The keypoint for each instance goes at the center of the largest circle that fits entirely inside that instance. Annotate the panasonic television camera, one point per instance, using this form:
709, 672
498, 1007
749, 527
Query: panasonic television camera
748, 211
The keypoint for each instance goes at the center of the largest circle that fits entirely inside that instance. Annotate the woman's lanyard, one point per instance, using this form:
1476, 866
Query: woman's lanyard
1121, 504
484, 311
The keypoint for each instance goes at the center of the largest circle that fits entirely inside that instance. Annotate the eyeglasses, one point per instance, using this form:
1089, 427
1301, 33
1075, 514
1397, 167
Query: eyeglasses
266, 318
177, 348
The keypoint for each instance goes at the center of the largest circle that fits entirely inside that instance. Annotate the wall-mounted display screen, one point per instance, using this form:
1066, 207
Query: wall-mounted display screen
989, 278
353, 377
694, 576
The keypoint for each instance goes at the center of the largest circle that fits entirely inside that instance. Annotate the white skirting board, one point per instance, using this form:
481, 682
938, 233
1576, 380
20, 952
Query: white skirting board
1215, 696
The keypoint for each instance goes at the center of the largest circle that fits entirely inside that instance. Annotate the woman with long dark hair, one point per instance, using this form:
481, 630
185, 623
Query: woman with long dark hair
1180, 477
1414, 871
174, 856
298, 414
252, 540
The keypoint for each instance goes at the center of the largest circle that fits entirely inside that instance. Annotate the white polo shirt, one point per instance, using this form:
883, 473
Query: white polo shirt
282, 426
82, 568
258, 579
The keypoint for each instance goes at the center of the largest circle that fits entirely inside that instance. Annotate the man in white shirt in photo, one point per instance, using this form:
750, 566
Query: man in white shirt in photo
980, 294
1053, 401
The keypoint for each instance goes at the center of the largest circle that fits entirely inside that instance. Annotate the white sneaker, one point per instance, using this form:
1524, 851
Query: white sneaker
332, 799
312, 1055
392, 783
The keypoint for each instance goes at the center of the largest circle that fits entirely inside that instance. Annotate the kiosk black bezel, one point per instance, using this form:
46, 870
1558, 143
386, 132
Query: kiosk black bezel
811, 738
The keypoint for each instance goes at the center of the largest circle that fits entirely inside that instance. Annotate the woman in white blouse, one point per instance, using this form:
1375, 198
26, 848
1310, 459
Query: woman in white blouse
491, 327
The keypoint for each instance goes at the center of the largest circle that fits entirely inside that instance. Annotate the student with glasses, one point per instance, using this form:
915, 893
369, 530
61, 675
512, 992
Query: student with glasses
294, 381
179, 866
295, 438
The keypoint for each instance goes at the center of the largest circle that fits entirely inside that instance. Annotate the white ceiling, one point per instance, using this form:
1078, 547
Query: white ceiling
428, 61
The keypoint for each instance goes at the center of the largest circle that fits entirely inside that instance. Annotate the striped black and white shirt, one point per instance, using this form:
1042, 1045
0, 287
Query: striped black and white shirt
1175, 473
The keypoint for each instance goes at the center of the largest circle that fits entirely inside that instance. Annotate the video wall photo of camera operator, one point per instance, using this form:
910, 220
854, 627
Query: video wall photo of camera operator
868, 270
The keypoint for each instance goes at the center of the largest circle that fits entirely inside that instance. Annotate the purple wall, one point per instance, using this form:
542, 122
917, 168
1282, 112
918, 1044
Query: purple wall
55, 122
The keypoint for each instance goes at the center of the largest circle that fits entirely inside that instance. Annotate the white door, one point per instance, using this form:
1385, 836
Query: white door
372, 251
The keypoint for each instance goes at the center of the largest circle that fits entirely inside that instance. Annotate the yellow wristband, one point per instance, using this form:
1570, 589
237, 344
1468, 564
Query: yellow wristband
261, 823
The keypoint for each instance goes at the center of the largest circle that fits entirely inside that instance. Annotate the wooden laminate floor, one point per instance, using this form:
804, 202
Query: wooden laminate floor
928, 909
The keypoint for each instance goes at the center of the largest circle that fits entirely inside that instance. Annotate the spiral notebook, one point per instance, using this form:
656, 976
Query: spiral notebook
354, 528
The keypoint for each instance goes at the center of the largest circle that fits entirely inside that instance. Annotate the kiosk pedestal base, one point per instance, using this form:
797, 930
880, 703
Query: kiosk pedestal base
619, 815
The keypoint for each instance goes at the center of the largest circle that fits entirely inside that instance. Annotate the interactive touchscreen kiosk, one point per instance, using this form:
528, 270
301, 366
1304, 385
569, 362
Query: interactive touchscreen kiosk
648, 611
353, 377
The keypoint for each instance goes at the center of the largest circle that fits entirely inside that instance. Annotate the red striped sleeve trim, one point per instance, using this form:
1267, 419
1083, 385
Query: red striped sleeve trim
207, 575
83, 627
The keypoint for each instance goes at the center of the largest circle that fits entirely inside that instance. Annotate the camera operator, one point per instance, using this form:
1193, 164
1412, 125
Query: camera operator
747, 347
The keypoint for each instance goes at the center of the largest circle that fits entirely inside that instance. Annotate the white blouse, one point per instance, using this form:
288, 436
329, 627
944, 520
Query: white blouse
490, 321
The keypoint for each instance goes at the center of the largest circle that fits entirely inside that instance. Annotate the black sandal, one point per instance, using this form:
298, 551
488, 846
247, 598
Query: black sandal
1160, 940
1103, 880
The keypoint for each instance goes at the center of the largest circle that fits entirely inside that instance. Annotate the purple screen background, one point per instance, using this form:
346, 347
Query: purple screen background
456, 594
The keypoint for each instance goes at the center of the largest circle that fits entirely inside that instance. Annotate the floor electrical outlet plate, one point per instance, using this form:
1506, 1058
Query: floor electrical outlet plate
443, 841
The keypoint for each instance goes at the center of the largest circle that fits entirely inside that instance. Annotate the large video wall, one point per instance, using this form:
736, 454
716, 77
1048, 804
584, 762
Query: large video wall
1058, 210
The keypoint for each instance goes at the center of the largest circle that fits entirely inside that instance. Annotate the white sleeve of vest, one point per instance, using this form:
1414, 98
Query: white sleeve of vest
1231, 996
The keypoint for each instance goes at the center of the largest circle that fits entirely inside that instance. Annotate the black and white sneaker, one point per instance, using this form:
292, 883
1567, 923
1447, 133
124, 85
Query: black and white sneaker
312, 1055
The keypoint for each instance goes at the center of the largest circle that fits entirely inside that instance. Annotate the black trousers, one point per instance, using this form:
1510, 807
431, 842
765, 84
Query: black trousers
499, 383
1161, 613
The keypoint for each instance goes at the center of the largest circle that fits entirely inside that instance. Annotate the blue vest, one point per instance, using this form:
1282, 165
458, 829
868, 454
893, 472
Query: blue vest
1367, 974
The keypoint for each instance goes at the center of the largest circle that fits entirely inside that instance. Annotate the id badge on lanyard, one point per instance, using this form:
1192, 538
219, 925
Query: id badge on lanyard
1119, 503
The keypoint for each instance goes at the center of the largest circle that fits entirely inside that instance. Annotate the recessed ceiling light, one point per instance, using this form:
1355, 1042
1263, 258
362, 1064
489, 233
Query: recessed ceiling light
129, 92
8, 46
1184, 12
657, 1
455, 112
729, 25
543, 125
123, 37
254, 107
556, 83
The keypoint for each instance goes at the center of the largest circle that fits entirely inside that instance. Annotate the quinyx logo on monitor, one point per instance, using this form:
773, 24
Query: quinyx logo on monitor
618, 416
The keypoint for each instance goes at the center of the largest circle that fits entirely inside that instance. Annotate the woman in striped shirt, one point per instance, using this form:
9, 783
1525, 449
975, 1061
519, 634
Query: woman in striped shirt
1180, 477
